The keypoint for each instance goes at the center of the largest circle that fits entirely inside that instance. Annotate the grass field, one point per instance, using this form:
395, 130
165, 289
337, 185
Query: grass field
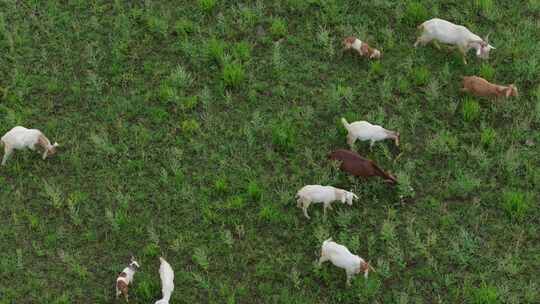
188, 126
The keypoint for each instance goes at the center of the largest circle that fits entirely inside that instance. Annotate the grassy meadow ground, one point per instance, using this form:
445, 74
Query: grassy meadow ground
188, 126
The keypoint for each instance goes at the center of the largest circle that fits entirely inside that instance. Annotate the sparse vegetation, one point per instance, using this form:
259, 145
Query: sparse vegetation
188, 126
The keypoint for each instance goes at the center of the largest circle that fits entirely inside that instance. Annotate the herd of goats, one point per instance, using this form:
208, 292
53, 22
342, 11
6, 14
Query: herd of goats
434, 30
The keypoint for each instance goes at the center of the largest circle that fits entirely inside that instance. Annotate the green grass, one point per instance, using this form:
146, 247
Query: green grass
188, 126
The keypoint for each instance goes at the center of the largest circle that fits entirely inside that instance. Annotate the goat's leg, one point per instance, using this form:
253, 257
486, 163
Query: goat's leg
304, 208
463, 54
350, 140
436, 44
349, 277
7, 153
322, 259
372, 142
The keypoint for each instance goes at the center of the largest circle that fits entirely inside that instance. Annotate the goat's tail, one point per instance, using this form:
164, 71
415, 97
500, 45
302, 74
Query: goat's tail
345, 123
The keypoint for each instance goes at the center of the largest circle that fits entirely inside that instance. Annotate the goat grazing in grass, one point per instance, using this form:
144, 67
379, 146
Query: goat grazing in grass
322, 194
20, 138
356, 165
341, 257
363, 130
166, 274
447, 32
125, 278
480, 87
362, 48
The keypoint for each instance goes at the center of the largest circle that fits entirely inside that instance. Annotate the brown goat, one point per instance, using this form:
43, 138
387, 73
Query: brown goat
478, 86
356, 165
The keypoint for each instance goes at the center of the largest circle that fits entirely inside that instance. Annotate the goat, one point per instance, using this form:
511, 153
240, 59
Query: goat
20, 138
341, 257
167, 281
361, 47
356, 165
322, 194
125, 278
447, 32
478, 86
363, 130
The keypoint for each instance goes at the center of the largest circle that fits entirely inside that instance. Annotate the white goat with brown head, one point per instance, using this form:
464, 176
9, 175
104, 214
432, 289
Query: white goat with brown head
20, 138
341, 257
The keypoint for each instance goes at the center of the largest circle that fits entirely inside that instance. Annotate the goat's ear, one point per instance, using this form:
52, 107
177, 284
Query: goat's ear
56, 145
508, 91
45, 154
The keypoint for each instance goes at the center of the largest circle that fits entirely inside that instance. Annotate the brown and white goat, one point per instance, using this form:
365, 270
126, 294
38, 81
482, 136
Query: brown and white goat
362, 48
125, 278
478, 86
356, 165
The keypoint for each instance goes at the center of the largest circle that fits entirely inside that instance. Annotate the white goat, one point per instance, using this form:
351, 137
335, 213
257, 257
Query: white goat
20, 138
125, 278
447, 32
167, 281
341, 257
322, 194
363, 130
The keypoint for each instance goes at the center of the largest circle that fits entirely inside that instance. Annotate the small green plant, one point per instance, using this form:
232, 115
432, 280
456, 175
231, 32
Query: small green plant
151, 250
270, 213
415, 13
516, 204
485, 295
180, 78
376, 68
184, 27
207, 5
421, 76
166, 93
157, 25
190, 102
242, 51
190, 126
278, 28
201, 258
488, 136
284, 136
221, 185
254, 190
54, 193
325, 41
233, 74
487, 71
484, 5
216, 50
471, 109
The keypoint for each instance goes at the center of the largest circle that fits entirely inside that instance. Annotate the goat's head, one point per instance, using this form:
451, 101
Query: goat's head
365, 267
348, 43
483, 48
511, 90
350, 197
51, 150
134, 264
